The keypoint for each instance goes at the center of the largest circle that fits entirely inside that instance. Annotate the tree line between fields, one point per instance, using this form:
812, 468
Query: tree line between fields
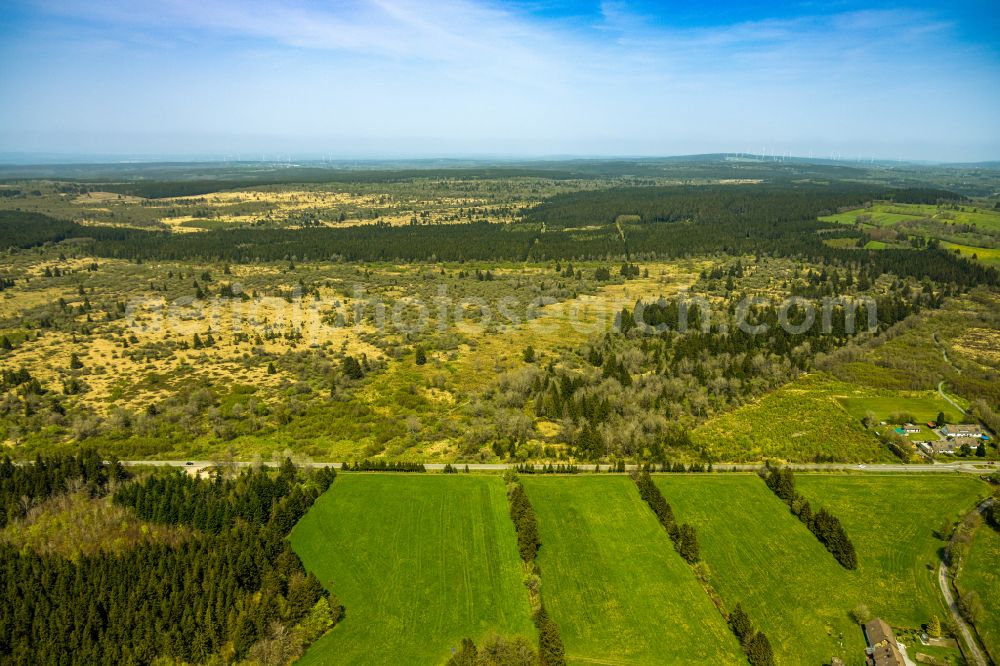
755, 643
232, 590
825, 526
515, 651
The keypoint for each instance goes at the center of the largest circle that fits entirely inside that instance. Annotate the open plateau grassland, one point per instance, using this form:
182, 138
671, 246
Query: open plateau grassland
419, 563
278, 350
296, 205
263, 353
453, 377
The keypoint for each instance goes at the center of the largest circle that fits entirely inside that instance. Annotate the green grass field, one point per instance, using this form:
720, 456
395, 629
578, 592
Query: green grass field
613, 582
891, 520
879, 217
841, 242
981, 572
821, 429
884, 214
989, 256
419, 562
965, 229
882, 245
762, 557
923, 405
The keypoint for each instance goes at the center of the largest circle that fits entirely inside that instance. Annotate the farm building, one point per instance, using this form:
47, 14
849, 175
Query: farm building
962, 430
950, 446
883, 650
908, 428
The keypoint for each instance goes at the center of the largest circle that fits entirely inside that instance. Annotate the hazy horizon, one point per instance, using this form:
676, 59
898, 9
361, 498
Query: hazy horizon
44, 159
392, 79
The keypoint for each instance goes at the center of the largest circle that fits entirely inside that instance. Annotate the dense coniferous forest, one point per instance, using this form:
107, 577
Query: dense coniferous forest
23, 230
673, 222
715, 204
234, 590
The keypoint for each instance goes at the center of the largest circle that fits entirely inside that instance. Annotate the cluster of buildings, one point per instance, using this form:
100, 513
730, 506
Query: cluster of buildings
950, 438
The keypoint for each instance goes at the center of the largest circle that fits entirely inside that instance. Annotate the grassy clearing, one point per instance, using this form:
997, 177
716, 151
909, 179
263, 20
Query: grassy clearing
965, 229
762, 557
75, 525
882, 245
564, 324
419, 562
614, 583
570, 323
841, 242
988, 256
822, 429
892, 522
922, 405
980, 574
876, 216
882, 214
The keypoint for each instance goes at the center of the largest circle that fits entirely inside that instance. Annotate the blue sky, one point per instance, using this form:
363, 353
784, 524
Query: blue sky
407, 78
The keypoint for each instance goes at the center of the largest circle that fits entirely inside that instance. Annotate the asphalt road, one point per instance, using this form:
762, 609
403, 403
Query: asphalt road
949, 597
945, 396
964, 467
